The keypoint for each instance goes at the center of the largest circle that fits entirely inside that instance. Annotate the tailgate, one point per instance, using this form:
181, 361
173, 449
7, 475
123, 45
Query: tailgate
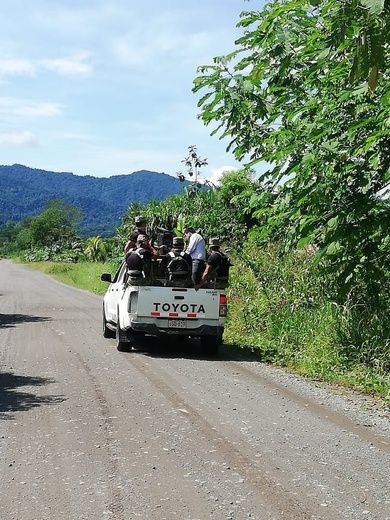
178, 302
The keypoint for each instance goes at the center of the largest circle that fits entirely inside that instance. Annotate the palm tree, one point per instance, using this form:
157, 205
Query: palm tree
96, 249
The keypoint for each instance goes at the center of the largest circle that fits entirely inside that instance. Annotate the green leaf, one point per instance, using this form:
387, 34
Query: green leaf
333, 222
375, 6
303, 242
362, 89
333, 248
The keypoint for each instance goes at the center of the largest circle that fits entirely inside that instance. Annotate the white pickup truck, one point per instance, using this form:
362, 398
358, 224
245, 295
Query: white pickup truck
131, 312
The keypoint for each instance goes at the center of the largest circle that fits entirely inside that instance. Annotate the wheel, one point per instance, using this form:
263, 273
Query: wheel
122, 341
210, 344
107, 333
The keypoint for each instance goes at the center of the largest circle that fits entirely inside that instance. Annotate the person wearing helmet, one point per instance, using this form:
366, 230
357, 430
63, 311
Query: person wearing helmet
216, 273
177, 265
139, 263
140, 229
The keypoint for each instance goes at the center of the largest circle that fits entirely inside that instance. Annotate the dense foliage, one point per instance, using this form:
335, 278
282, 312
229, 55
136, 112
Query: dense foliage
307, 89
224, 211
299, 99
25, 191
52, 235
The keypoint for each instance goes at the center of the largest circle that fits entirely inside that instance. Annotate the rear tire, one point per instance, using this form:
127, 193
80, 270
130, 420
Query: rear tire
122, 342
121, 345
210, 345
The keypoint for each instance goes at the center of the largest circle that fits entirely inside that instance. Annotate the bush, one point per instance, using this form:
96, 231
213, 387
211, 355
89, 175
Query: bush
279, 306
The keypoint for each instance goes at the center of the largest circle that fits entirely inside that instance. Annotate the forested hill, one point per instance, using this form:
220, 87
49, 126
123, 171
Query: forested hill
103, 200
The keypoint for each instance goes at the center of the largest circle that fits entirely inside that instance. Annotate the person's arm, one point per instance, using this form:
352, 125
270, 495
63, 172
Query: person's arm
150, 248
204, 277
191, 245
129, 245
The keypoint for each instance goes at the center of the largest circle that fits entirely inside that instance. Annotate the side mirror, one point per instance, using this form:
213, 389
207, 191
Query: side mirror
106, 277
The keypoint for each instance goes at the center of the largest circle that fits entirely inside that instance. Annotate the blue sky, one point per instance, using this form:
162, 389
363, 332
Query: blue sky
103, 87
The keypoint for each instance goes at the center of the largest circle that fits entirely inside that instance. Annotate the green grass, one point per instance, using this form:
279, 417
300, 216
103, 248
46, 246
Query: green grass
85, 275
278, 310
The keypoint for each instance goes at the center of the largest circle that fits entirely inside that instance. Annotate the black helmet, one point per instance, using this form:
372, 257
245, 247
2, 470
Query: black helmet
139, 220
178, 241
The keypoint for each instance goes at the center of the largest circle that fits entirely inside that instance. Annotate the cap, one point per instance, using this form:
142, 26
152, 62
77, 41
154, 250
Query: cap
178, 241
139, 219
214, 242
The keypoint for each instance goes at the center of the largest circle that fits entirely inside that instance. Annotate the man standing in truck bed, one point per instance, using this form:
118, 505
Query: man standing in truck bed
196, 248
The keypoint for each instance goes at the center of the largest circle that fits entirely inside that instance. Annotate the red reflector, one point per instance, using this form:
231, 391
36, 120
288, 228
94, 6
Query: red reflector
155, 314
173, 314
191, 315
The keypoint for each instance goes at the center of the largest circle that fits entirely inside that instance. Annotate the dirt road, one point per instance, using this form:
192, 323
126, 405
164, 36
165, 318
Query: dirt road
87, 432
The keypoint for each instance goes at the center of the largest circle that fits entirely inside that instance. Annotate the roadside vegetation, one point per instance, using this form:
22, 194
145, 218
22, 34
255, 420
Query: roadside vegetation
307, 90
84, 275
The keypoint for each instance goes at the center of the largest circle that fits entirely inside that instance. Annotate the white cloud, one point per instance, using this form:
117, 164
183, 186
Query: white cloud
18, 139
217, 174
22, 107
74, 66
16, 67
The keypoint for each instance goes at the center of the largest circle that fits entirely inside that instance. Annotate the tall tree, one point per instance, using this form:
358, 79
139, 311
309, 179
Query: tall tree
307, 89
57, 222
193, 163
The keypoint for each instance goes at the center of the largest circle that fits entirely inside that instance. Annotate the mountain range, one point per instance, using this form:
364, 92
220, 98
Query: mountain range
24, 192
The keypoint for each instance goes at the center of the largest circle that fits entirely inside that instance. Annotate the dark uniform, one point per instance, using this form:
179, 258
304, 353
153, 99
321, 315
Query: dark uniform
140, 223
177, 265
139, 266
135, 233
216, 274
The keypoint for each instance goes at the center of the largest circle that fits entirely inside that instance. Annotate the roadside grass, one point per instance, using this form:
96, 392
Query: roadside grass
277, 311
84, 275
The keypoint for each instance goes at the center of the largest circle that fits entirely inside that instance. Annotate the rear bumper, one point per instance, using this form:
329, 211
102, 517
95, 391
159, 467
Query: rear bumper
154, 330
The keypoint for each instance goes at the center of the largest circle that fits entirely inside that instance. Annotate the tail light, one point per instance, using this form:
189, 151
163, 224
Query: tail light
133, 301
222, 305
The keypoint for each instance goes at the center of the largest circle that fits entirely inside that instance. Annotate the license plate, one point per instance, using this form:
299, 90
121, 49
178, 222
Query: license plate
177, 324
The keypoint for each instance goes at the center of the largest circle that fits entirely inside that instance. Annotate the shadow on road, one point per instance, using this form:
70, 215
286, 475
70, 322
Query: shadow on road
12, 400
11, 320
175, 348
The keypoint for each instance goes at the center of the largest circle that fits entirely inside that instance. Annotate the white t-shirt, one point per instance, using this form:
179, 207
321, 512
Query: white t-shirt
196, 247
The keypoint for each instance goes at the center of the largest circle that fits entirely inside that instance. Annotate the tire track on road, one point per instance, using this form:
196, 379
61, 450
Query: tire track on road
242, 457
115, 506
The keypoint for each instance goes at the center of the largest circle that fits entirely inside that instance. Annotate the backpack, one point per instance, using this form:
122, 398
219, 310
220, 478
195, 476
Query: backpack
145, 268
177, 266
223, 268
